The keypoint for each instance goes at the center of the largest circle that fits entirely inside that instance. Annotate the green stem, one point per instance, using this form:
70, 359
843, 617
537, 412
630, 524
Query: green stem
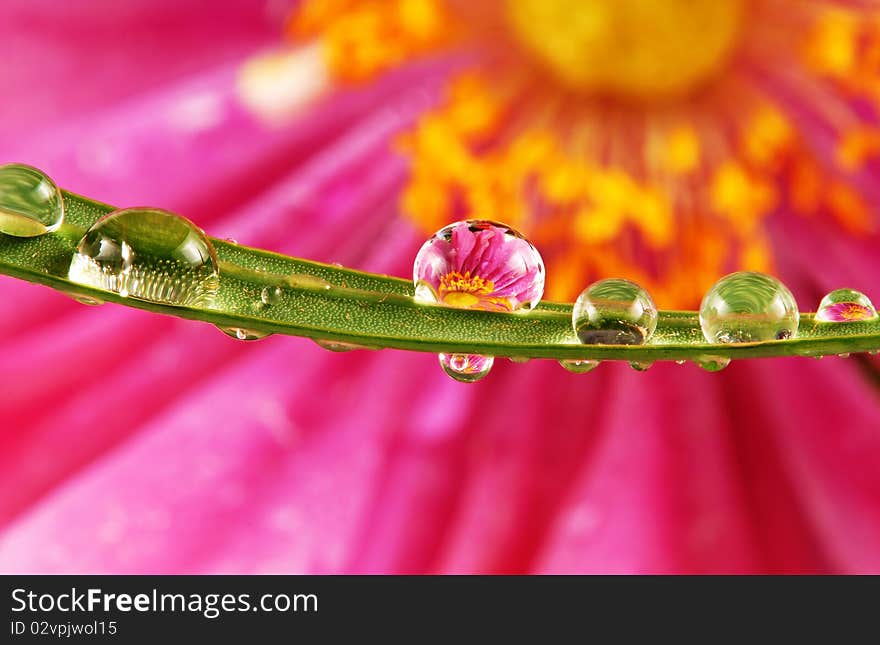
335, 304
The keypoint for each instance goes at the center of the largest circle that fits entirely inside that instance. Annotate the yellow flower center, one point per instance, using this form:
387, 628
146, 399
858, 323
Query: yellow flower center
629, 48
464, 290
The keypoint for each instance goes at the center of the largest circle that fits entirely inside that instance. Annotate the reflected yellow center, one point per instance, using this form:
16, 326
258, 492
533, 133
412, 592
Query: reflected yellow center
629, 48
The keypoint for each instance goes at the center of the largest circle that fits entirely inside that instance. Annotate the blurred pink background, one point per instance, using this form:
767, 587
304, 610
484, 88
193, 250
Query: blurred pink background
136, 443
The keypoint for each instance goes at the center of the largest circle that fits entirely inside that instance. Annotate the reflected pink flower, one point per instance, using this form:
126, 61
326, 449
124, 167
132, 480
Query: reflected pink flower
134, 443
477, 264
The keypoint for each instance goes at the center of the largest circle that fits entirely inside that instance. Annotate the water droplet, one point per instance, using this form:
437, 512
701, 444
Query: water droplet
614, 312
873, 352
846, 355
83, 299
232, 240
713, 363
240, 333
579, 366
748, 307
845, 305
335, 346
680, 361
30, 202
466, 368
518, 359
270, 295
477, 264
641, 366
148, 254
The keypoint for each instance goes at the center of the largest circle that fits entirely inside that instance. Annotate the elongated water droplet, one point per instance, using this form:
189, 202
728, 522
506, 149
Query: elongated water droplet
713, 363
466, 368
477, 264
239, 333
641, 366
518, 359
680, 362
579, 366
747, 307
614, 312
336, 346
30, 202
83, 299
148, 254
845, 355
270, 295
845, 305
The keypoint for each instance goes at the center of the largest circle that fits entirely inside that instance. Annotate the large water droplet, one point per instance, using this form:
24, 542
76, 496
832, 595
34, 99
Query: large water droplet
614, 312
713, 363
478, 264
240, 333
30, 202
466, 368
149, 254
579, 366
748, 307
845, 305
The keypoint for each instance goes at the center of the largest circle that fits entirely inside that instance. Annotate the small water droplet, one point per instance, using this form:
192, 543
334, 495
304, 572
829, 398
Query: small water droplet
680, 361
579, 366
747, 307
614, 312
518, 359
270, 295
240, 333
713, 363
873, 352
466, 368
478, 264
335, 346
83, 299
231, 240
148, 254
305, 281
641, 366
844, 306
846, 355
30, 202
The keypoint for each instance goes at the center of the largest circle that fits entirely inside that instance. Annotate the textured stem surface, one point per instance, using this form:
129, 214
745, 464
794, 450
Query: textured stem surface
336, 304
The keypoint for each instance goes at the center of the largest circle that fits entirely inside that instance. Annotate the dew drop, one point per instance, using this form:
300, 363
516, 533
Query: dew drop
240, 333
270, 295
713, 363
482, 265
148, 254
579, 366
478, 264
846, 355
30, 202
680, 362
518, 359
614, 312
466, 368
83, 299
641, 366
845, 305
335, 346
748, 307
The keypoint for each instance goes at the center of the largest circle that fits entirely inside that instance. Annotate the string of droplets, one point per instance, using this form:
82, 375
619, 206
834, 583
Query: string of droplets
157, 256
484, 265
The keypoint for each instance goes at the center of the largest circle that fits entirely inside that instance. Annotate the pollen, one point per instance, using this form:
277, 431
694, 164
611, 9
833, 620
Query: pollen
464, 290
